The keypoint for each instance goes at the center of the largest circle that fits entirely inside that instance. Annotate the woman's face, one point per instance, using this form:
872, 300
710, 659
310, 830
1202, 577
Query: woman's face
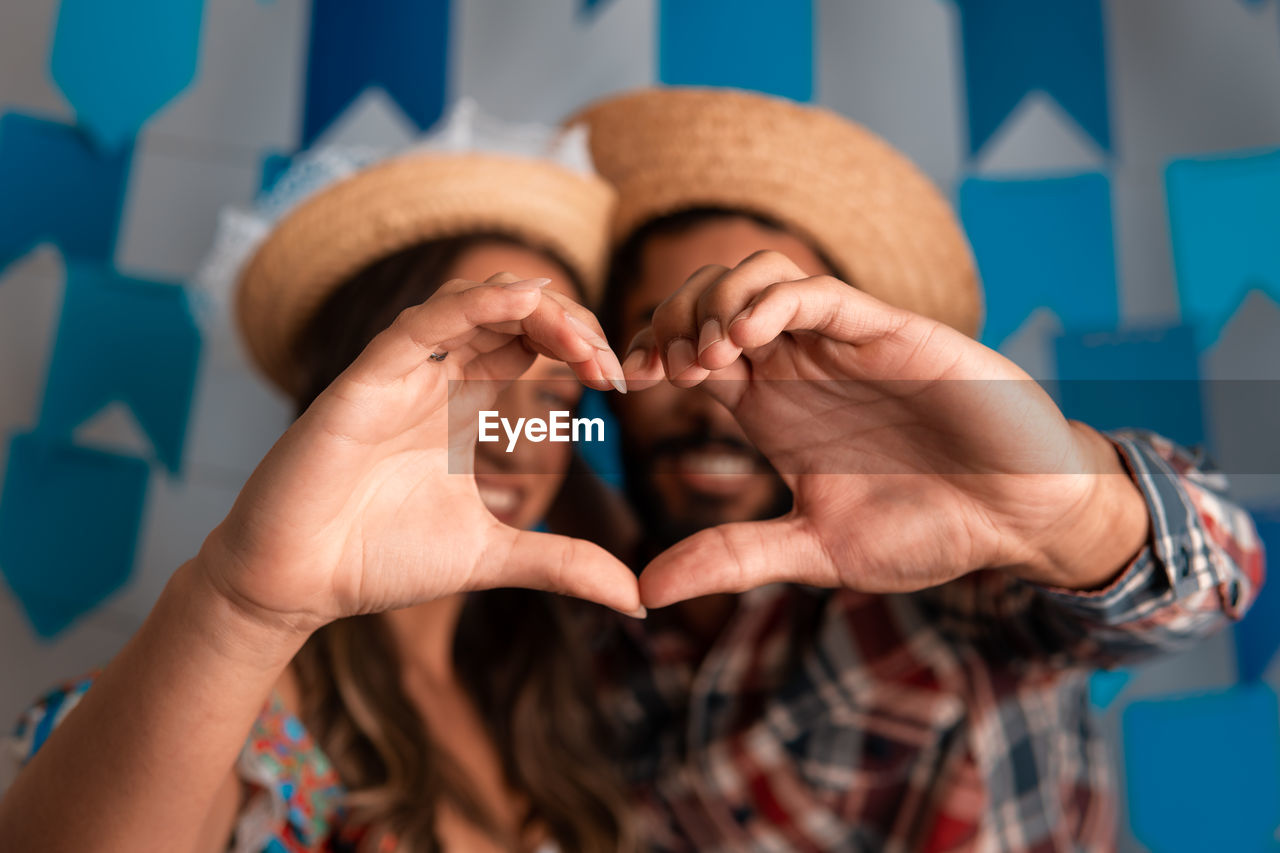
517, 487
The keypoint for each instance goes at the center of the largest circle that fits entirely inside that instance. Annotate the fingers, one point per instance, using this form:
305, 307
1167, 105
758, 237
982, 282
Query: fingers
675, 327
471, 319
559, 564
736, 558
642, 365
820, 304
445, 322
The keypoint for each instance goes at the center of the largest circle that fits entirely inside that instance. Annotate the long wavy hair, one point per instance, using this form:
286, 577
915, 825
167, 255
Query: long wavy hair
514, 653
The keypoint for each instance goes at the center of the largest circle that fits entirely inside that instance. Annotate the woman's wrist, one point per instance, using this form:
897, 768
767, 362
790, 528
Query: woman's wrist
230, 624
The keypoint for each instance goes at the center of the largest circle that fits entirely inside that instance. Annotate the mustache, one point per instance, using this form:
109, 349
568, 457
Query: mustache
702, 439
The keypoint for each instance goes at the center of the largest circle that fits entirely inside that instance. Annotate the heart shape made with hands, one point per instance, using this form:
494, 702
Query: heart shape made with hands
913, 454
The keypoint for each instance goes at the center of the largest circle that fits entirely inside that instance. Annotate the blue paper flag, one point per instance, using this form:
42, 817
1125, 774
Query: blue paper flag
603, 457
1224, 221
1258, 635
129, 340
274, 166
118, 64
765, 45
1045, 242
1146, 378
1203, 771
1105, 685
399, 45
69, 521
1012, 47
56, 187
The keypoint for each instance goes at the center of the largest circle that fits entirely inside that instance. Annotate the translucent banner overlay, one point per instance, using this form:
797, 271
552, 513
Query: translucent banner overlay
949, 427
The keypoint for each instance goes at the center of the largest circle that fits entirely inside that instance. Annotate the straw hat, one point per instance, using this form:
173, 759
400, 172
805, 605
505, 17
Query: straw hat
863, 204
395, 204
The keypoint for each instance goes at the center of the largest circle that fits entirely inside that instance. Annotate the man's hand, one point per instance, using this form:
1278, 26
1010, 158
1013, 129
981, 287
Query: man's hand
915, 454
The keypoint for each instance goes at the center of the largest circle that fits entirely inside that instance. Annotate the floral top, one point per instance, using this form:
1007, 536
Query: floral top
294, 803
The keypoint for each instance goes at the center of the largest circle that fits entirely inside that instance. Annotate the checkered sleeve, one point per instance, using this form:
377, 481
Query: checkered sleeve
1201, 568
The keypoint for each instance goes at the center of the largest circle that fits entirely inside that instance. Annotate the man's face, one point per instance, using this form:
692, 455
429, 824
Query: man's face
688, 463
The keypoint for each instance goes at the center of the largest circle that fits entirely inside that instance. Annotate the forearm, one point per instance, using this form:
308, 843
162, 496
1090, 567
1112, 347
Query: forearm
137, 764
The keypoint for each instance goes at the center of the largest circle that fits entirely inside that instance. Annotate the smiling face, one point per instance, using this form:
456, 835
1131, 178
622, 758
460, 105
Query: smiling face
518, 487
689, 465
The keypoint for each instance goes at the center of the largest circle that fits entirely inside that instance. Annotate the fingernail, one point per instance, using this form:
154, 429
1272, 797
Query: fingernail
680, 356
529, 284
612, 370
711, 334
587, 333
638, 613
635, 360
744, 313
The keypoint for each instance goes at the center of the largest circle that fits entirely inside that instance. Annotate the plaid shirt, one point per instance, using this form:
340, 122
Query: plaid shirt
956, 718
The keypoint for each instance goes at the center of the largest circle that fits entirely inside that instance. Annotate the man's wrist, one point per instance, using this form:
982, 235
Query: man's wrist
1103, 533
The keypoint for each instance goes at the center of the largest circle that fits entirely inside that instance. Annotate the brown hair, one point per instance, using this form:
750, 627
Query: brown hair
513, 652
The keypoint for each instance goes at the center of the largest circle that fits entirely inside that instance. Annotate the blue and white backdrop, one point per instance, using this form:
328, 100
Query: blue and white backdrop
1116, 162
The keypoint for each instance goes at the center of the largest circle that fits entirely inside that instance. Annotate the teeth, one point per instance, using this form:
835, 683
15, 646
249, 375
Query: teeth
499, 500
718, 463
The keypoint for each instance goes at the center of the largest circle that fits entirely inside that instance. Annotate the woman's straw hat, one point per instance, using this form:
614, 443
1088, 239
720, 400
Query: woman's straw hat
864, 205
396, 204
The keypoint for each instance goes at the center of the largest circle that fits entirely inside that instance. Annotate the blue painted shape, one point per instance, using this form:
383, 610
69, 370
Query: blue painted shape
1012, 47
1043, 242
591, 7
274, 167
1203, 771
1224, 221
69, 521
765, 45
119, 63
55, 187
603, 457
128, 340
1105, 685
1140, 377
400, 45
1258, 634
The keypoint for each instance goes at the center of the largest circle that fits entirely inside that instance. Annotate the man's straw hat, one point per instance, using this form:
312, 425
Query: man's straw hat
856, 199
399, 203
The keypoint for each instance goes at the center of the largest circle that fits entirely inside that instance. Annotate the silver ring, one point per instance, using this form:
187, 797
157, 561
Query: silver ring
438, 356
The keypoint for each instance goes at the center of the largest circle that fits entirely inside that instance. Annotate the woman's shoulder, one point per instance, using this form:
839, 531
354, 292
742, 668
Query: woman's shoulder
292, 797
293, 791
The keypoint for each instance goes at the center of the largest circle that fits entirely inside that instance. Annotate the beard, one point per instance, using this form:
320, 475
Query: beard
661, 526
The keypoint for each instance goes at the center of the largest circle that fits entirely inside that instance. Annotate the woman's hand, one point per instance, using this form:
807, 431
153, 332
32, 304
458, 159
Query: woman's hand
368, 503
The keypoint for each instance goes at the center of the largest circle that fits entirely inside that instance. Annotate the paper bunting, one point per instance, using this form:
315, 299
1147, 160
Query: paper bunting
1106, 685
1144, 378
118, 64
1258, 635
69, 520
127, 340
765, 45
1042, 243
1203, 771
401, 46
1224, 221
56, 187
1012, 48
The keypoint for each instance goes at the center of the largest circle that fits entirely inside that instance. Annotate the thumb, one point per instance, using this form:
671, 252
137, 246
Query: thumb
563, 565
736, 558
